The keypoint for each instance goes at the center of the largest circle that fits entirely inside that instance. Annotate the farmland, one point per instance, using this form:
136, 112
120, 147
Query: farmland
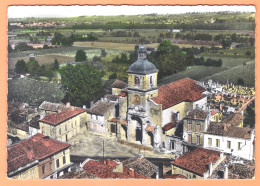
201, 72
33, 92
110, 45
120, 34
246, 72
43, 60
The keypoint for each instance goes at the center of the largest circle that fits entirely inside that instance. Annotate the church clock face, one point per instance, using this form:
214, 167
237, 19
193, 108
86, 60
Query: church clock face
136, 99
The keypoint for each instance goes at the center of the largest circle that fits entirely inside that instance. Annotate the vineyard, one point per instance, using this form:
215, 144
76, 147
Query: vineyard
33, 92
201, 72
246, 72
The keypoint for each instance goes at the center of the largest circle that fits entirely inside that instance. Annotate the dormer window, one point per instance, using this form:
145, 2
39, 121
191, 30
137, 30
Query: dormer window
137, 81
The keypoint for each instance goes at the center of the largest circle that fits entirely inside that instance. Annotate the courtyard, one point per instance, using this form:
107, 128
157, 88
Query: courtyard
90, 144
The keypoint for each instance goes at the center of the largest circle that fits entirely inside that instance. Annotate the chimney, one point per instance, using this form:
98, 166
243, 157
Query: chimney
72, 108
225, 127
68, 104
160, 169
91, 103
225, 172
84, 107
210, 169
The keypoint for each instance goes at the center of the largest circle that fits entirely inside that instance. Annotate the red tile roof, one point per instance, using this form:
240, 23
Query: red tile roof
98, 168
197, 114
35, 148
169, 126
57, 118
174, 176
178, 91
221, 129
197, 161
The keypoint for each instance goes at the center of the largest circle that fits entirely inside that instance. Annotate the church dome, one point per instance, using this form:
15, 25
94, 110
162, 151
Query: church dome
142, 65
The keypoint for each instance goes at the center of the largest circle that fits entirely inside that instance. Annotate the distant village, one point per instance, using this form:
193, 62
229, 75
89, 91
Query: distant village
185, 129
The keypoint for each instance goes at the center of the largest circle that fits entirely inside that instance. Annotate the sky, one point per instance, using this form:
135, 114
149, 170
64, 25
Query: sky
72, 11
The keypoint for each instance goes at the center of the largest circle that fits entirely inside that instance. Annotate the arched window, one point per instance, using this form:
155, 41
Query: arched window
151, 80
137, 81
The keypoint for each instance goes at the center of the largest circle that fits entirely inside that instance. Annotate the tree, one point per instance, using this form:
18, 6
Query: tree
45, 46
80, 56
82, 83
240, 81
250, 115
248, 53
226, 42
168, 59
22, 46
103, 53
91, 37
96, 58
33, 67
20, 67
10, 49
112, 76
55, 64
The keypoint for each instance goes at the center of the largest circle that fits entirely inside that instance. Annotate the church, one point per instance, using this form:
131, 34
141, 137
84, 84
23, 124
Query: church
141, 112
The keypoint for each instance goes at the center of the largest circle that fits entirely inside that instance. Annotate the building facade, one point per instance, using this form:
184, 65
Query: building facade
65, 124
232, 140
37, 158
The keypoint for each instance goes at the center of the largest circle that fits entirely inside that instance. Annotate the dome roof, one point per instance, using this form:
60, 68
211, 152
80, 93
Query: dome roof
142, 65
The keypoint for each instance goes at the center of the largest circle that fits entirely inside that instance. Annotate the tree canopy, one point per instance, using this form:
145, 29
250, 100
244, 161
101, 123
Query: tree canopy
20, 67
250, 115
169, 59
82, 84
22, 46
80, 56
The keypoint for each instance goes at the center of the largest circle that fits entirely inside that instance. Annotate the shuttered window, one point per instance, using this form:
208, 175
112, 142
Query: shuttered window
64, 159
57, 163
113, 128
197, 140
217, 143
228, 144
198, 127
189, 138
209, 141
189, 125
239, 146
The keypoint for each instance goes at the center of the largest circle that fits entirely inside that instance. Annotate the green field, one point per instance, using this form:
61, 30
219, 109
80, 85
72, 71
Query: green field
43, 60
246, 72
109, 45
200, 72
234, 53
